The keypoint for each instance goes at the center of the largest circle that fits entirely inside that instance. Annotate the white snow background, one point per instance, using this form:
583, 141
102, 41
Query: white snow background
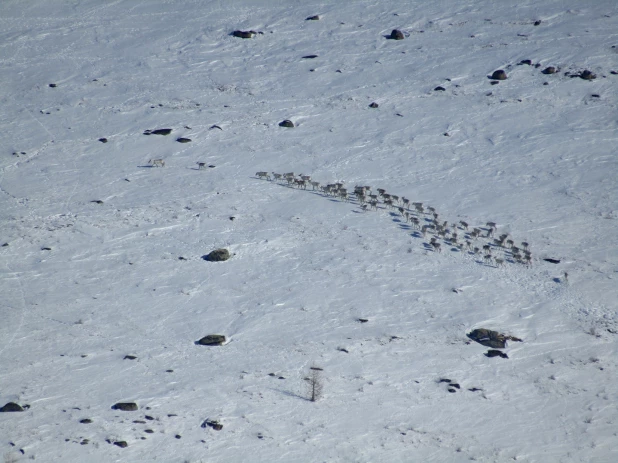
536, 154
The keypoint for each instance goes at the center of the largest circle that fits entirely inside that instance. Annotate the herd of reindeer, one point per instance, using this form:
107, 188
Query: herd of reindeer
422, 218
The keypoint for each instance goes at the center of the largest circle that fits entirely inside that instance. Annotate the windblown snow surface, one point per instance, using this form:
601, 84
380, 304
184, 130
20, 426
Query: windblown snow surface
85, 283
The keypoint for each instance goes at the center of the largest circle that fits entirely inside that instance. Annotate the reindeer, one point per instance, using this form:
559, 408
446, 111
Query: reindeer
157, 163
265, 175
200, 165
277, 176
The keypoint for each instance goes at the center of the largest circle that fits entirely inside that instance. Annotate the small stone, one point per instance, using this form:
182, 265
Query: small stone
183, 140
97, 201
11, 407
526, 61
396, 34
53, 85
149, 418
549, 70
103, 140
212, 340
286, 123
498, 75
363, 320
148, 431
313, 18
439, 89
310, 56
373, 105
212, 424
218, 255
45, 249
5, 245
85, 421
130, 357
243, 34
496, 353
178, 436
587, 75
537, 22
158, 132
452, 390
122, 444
125, 406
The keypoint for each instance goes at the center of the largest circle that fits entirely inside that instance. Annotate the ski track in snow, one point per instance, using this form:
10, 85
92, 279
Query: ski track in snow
84, 283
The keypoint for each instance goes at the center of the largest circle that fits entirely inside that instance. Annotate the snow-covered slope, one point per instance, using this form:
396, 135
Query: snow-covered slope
92, 270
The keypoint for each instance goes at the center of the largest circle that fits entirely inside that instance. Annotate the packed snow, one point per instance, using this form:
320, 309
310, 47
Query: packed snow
105, 289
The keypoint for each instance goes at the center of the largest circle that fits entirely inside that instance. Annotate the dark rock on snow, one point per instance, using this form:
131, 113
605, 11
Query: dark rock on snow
244, 34
549, 70
212, 340
183, 140
121, 443
103, 140
373, 105
396, 34
212, 424
313, 18
12, 407
491, 338
125, 406
218, 255
286, 123
587, 75
310, 56
439, 89
85, 421
498, 75
552, 261
496, 353
158, 132
526, 61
